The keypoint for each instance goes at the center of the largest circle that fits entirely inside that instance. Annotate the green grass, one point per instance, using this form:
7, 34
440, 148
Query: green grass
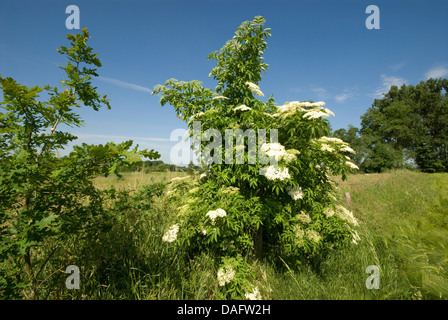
404, 217
403, 228
134, 180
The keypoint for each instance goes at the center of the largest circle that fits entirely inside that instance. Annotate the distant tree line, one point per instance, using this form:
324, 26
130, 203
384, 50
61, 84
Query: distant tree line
407, 128
159, 166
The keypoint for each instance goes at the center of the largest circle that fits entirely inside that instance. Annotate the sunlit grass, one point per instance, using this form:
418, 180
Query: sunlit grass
403, 228
134, 180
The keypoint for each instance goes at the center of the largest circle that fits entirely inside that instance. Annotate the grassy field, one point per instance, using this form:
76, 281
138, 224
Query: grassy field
403, 228
134, 180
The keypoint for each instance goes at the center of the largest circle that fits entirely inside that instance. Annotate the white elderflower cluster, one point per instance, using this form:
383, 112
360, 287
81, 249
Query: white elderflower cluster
242, 107
225, 275
219, 97
291, 107
213, 214
326, 147
198, 114
303, 218
314, 114
297, 105
351, 165
316, 105
254, 88
171, 234
313, 235
347, 215
329, 111
341, 145
332, 140
275, 150
355, 237
255, 295
278, 151
318, 111
295, 193
329, 212
231, 190
313, 110
273, 173
347, 149
288, 157
298, 232
293, 152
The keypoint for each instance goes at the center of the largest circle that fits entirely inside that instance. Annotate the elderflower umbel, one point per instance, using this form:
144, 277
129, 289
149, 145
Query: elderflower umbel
347, 149
329, 112
171, 234
275, 150
290, 108
273, 173
326, 147
329, 212
254, 88
313, 235
231, 190
298, 232
295, 193
351, 165
347, 215
219, 97
356, 237
255, 295
213, 214
332, 140
288, 157
225, 275
242, 107
200, 113
303, 218
315, 114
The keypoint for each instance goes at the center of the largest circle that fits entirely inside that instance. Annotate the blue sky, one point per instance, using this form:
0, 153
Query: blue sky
319, 50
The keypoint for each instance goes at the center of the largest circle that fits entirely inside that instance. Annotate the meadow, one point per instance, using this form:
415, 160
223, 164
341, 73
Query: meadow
403, 219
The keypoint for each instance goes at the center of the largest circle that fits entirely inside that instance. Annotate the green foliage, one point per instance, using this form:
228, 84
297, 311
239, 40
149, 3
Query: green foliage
234, 211
408, 123
43, 197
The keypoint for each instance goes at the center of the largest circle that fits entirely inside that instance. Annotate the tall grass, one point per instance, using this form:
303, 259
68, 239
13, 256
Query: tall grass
403, 228
134, 180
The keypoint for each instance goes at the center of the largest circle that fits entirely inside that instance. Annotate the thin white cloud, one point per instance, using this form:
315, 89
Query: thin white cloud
386, 83
437, 72
321, 93
346, 95
124, 84
343, 97
398, 66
